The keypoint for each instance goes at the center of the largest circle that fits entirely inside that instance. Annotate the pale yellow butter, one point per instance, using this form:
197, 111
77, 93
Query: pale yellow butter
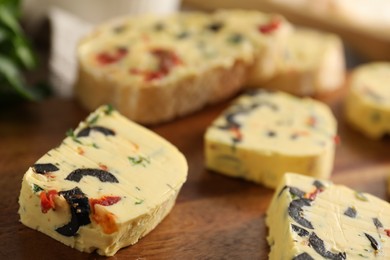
314, 219
262, 135
306, 62
367, 106
129, 178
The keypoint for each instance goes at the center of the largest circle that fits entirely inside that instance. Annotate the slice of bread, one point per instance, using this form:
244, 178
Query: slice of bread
154, 69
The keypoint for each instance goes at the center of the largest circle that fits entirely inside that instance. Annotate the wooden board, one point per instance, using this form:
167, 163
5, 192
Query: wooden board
216, 217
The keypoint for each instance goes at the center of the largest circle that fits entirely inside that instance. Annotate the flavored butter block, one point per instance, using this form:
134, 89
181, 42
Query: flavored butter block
108, 184
263, 134
268, 34
154, 69
367, 106
311, 63
310, 218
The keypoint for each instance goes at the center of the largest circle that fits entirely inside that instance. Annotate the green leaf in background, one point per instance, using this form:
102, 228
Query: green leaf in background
10, 74
23, 53
16, 55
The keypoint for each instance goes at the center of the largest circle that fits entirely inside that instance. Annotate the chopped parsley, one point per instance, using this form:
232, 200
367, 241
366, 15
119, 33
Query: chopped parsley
93, 120
140, 160
70, 133
109, 109
36, 188
139, 201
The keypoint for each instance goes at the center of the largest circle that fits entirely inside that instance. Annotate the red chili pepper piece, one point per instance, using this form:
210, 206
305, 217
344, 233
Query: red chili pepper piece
167, 59
387, 232
104, 201
337, 139
237, 133
47, 200
312, 195
270, 27
312, 121
105, 58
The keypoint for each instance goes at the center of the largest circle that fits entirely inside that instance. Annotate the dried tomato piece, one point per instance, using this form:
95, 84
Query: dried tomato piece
105, 201
273, 25
105, 219
47, 200
105, 58
167, 59
312, 195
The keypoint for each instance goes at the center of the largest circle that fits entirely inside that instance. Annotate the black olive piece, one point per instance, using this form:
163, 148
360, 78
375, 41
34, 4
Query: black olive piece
283, 189
214, 27
102, 175
296, 192
79, 209
271, 133
43, 168
318, 245
87, 130
119, 29
183, 35
350, 212
293, 191
300, 231
377, 223
159, 26
318, 184
295, 211
303, 256
374, 244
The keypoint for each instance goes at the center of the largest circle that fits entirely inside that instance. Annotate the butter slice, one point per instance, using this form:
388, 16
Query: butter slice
263, 134
108, 184
367, 106
314, 219
306, 61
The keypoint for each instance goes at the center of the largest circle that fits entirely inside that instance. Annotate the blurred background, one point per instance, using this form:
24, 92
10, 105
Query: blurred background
52, 29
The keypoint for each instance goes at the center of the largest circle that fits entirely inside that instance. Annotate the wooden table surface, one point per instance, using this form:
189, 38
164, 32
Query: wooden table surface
215, 217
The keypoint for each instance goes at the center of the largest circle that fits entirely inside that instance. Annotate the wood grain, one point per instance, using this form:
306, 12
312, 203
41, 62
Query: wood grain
215, 217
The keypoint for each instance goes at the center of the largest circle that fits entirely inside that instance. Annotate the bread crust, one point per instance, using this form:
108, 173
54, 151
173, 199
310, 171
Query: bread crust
156, 103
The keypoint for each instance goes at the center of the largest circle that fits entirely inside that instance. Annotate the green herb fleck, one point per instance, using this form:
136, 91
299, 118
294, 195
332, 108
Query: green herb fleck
360, 196
137, 188
109, 109
139, 201
363, 256
94, 145
36, 188
93, 120
235, 38
70, 133
139, 161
